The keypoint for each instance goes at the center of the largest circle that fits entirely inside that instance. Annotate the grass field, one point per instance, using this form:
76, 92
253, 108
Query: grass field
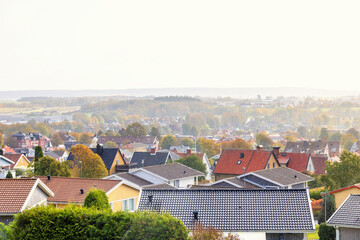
313, 236
56, 110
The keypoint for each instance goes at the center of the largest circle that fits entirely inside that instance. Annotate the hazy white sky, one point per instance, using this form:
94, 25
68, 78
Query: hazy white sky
113, 44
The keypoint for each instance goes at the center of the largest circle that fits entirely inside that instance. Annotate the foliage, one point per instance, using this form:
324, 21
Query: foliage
9, 175
19, 172
188, 142
344, 173
154, 226
91, 163
326, 232
237, 143
135, 130
168, 141
200, 232
302, 131
97, 199
316, 207
330, 208
50, 166
316, 193
324, 134
57, 139
209, 147
110, 144
354, 132
38, 153
85, 138
263, 139
347, 140
194, 162
1, 139
155, 133
335, 136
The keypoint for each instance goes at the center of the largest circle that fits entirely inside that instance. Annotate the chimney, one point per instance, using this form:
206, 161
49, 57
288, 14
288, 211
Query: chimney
48, 177
276, 151
259, 147
153, 150
188, 151
82, 191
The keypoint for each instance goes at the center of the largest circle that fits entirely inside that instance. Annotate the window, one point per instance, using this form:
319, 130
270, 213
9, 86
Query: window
239, 162
176, 183
128, 204
268, 165
273, 165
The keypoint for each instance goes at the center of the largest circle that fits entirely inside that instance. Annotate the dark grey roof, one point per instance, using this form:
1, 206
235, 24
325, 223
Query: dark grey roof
106, 154
133, 179
173, 155
348, 214
51, 154
234, 182
172, 171
144, 159
283, 175
236, 210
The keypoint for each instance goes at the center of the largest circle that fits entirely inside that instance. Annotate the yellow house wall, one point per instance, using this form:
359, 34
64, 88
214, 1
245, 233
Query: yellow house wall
22, 162
271, 161
113, 166
341, 196
121, 193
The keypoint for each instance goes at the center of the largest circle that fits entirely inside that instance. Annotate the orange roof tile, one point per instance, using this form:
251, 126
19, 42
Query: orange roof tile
68, 189
296, 161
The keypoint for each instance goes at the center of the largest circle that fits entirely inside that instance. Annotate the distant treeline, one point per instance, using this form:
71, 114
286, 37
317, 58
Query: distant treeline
177, 99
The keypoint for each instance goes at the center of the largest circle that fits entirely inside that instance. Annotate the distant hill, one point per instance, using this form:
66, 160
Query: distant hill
201, 92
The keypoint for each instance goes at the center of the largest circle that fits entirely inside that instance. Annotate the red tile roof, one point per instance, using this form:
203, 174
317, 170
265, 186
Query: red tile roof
13, 157
319, 163
13, 194
68, 189
252, 160
8, 150
296, 161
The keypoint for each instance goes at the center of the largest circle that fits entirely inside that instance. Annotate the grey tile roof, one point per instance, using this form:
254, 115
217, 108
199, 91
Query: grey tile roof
159, 186
133, 179
172, 171
240, 183
284, 176
236, 210
144, 159
348, 214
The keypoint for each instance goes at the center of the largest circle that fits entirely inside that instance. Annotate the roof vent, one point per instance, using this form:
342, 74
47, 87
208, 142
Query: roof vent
196, 214
242, 155
184, 172
150, 198
49, 177
295, 176
82, 191
239, 162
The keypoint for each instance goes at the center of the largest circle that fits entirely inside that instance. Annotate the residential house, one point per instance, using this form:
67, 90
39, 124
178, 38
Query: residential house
111, 157
234, 162
60, 155
340, 195
300, 162
346, 219
250, 214
123, 140
330, 148
175, 174
16, 195
274, 178
5, 166
319, 162
20, 161
135, 147
122, 195
30, 140
145, 159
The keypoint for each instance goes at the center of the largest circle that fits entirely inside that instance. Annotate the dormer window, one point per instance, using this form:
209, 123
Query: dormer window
242, 155
239, 162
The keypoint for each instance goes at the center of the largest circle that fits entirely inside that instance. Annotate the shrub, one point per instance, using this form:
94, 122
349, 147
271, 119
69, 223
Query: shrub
154, 226
330, 208
97, 199
200, 232
326, 232
9, 175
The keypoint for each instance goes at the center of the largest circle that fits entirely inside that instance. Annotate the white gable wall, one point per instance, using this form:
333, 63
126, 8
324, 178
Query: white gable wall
149, 177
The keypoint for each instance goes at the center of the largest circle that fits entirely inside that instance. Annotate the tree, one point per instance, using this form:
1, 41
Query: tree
262, 138
324, 134
186, 128
291, 136
326, 232
97, 199
9, 175
354, 132
50, 166
85, 138
135, 130
237, 143
187, 142
38, 154
195, 162
209, 147
347, 140
330, 208
302, 131
155, 132
168, 141
1, 139
335, 136
110, 144
57, 140
88, 162
344, 173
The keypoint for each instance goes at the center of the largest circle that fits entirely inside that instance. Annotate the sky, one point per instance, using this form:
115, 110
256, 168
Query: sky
115, 44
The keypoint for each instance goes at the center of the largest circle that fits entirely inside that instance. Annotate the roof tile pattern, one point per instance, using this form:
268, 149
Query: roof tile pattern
68, 189
144, 159
296, 161
13, 194
235, 210
319, 163
348, 213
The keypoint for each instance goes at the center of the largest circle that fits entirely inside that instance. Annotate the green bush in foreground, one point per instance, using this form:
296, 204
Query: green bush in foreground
97, 199
326, 232
88, 223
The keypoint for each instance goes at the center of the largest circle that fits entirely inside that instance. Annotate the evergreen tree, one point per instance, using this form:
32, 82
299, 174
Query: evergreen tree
330, 208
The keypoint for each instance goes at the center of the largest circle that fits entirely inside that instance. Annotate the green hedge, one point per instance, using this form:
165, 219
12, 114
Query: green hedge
83, 223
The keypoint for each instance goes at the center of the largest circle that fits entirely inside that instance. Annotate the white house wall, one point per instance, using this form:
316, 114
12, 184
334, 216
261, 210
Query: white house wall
185, 182
147, 176
248, 235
